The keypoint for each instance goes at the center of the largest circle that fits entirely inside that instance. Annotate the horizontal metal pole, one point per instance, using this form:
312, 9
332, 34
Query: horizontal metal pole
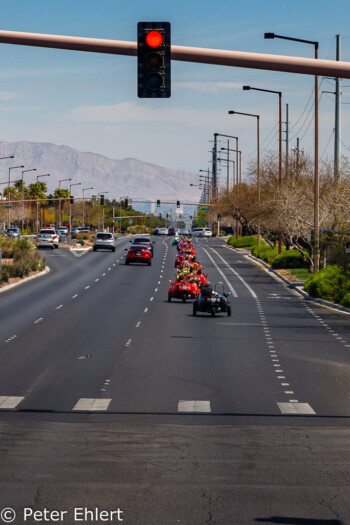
306, 66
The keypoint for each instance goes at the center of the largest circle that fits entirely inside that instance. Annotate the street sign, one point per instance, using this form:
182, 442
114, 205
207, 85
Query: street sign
6, 207
117, 219
204, 209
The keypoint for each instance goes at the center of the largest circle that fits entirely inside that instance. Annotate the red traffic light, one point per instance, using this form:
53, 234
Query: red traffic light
154, 39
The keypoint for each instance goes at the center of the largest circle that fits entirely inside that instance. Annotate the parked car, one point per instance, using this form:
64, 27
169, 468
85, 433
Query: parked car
83, 229
74, 230
13, 232
63, 230
45, 240
53, 233
138, 253
103, 240
143, 239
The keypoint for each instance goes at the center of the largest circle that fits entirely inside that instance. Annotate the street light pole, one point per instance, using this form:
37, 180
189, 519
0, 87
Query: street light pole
85, 189
22, 192
9, 195
37, 200
279, 93
70, 204
316, 173
59, 202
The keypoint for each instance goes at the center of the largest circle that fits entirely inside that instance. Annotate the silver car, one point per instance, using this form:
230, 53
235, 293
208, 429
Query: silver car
13, 232
104, 240
45, 240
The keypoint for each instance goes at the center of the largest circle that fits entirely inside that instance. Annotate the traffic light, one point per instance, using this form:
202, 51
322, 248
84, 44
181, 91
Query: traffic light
102, 200
71, 199
191, 217
167, 215
219, 217
51, 201
160, 215
158, 203
153, 60
178, 204
126, 203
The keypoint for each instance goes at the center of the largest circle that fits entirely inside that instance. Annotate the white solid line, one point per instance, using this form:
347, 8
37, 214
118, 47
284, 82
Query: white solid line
7, 402
233, 291
60, 306
236, 274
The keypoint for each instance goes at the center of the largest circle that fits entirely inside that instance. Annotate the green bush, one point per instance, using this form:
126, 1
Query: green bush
289, 259
265, 253
5, 273
7, 246
246, 241
331, 283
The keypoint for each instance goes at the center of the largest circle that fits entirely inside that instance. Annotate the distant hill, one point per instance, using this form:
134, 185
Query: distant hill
129, 176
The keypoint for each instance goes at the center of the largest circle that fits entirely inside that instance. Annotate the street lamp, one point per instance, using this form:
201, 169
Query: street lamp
207, 177
37, 199
258, 155
239, 179
85, 189
230, 137
279, 93
22, 192
316, 175
103, 210
59, 202
70, 204
9, 196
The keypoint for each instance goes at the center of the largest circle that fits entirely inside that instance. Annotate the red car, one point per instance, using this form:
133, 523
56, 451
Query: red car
183, 290
138, 253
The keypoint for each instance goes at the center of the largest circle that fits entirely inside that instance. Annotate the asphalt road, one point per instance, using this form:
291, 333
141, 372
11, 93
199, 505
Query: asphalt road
111, 397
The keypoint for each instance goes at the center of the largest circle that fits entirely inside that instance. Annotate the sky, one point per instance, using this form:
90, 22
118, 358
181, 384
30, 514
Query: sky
88, 101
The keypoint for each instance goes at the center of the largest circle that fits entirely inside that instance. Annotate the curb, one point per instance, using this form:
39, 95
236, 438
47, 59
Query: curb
298, 287
25, 280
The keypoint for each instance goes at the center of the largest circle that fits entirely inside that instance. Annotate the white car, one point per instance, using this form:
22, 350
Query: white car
63, 230
53, 233
163, 231
198, 232
207, 232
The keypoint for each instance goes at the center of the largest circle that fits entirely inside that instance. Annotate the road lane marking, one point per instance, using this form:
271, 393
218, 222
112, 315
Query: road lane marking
151, 299
74, 296
60, 306
128, 343
236, 274
295, 408
138, 324
96, 280
92, 405
146, 310
87, 287
38, 320
233, 291
8, 402
194, 406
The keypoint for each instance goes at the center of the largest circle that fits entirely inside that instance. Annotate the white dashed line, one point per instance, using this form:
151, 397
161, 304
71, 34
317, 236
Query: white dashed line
38, 320
138, 324
96, 280
60, 306
146, 310
87, 287
74, 296
128, 343
151, 299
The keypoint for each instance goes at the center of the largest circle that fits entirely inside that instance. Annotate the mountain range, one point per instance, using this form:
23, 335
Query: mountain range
126, 177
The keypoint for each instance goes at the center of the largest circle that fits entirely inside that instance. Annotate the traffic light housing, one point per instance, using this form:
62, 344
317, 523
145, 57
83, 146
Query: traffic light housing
153, 60
160, 215
126, 203
71, 199
102, 200
158, 203
219, 217
178, 204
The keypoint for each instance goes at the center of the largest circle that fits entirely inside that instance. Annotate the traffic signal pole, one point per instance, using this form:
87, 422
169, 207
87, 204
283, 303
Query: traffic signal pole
305, 66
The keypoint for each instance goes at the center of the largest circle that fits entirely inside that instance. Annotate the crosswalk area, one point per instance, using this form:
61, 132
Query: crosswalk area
183, 406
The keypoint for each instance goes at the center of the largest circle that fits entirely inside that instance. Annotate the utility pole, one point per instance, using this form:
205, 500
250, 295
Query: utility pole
287, 138
215, 180
337, 134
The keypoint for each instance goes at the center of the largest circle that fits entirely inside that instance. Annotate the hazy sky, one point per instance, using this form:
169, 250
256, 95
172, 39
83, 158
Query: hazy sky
88, 101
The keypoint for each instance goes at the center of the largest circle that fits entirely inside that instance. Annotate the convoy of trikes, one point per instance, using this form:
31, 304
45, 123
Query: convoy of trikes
191, 283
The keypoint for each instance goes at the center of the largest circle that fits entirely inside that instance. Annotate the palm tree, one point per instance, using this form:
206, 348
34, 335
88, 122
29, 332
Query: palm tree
61, 193
37, 190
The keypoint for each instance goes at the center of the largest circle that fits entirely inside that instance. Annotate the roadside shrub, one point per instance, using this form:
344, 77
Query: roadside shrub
345, 301
23, 244
5, 273
265, 253
330, 283
7, 246
289, 259
246, 241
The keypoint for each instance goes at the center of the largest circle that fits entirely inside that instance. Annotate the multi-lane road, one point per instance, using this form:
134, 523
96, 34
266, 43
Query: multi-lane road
111, 397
